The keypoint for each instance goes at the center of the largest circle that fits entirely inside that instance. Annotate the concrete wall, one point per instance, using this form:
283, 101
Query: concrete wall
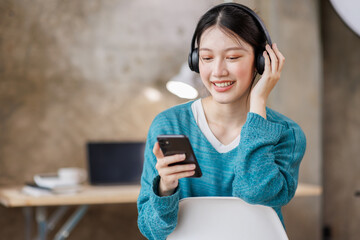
75, 71
341, 124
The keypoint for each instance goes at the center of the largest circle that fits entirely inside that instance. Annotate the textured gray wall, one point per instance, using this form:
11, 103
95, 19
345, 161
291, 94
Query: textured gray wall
341, 124
74, 71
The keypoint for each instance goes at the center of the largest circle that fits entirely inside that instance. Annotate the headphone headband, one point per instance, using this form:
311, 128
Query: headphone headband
193, 56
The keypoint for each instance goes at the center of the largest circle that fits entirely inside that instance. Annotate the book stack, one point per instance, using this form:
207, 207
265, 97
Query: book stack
65, 181
33, 189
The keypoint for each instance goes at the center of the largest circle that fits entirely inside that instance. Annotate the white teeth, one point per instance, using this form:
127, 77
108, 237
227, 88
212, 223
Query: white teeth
223, 84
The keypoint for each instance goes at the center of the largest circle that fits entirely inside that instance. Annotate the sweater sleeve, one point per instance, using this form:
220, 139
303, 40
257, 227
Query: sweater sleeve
157, 216
267, 171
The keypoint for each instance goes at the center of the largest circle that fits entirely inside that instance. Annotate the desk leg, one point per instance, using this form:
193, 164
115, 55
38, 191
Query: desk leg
55, 218
28, 214
41, 222
71, 223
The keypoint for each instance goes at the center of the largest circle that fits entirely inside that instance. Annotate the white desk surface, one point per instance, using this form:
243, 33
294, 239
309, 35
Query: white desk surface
13, 197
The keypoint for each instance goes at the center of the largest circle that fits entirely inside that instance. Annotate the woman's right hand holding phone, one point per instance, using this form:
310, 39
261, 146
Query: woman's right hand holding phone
170, 175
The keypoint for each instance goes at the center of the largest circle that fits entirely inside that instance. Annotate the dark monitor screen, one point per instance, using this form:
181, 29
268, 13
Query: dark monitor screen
115, 162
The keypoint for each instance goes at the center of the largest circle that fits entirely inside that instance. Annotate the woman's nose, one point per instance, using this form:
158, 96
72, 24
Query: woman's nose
219, 68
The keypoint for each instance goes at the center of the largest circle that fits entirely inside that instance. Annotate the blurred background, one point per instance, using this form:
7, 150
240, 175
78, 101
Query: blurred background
78, 71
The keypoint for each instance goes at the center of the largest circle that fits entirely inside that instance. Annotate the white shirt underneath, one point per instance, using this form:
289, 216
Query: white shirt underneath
198, 112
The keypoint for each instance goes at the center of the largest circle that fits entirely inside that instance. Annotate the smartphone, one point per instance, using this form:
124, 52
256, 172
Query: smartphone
179, 144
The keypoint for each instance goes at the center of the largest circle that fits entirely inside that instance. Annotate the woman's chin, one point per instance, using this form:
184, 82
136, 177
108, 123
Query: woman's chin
223, 99
227, 98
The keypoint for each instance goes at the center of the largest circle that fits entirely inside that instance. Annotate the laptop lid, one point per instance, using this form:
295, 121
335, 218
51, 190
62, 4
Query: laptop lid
115, 162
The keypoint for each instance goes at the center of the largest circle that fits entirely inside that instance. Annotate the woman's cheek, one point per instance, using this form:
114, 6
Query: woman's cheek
243, 71
205, 74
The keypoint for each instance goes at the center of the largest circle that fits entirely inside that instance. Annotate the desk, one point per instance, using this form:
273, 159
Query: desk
308, 190
12, 197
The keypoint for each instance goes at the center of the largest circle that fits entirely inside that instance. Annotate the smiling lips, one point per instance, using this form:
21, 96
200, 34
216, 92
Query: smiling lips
222, 86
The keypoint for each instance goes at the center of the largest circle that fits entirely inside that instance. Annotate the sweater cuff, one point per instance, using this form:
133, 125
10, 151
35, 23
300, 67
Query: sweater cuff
267, 127
165, 203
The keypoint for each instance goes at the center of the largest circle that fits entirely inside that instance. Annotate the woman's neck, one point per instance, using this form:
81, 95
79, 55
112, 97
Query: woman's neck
225, 114
225, 120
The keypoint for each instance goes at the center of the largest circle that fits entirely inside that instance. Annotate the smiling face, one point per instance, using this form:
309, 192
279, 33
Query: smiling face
226, 65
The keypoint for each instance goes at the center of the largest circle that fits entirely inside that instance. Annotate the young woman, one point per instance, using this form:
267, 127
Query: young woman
244, 149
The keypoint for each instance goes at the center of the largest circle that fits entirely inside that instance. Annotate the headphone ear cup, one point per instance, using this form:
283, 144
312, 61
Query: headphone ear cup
193, 60
260, 63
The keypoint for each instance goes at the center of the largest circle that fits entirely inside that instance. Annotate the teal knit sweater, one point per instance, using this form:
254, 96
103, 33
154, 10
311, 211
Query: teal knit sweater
263, 169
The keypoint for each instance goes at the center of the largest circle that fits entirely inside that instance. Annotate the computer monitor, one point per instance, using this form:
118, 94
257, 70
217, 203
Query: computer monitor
115, 162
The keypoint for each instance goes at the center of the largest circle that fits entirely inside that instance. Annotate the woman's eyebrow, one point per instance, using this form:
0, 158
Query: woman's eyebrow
204, 49
226, 50
236, 48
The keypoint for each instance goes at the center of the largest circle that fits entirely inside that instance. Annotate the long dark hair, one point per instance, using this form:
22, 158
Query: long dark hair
237, 23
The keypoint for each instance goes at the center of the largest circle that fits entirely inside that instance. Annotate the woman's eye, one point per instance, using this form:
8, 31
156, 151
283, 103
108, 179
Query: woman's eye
206, 58
233, 57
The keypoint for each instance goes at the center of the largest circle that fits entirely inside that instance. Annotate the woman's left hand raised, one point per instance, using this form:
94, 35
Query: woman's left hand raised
261, 91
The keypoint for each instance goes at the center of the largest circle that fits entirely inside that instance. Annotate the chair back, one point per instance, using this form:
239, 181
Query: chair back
214, 218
